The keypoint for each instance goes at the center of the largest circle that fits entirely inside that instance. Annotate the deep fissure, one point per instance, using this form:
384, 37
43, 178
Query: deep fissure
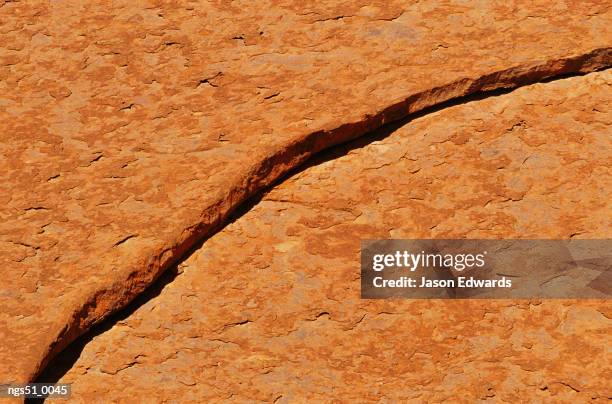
65, 359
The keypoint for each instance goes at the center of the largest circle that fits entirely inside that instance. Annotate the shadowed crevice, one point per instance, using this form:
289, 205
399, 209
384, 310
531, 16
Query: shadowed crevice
66, 359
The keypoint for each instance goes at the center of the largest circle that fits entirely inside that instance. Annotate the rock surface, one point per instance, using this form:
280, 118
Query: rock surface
130, 130
268, 308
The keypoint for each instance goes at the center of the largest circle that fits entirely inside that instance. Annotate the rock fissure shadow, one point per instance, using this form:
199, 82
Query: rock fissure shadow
66, 359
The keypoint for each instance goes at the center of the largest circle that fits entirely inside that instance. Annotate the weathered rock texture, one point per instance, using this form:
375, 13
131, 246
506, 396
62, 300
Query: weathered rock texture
269, 309
131, 129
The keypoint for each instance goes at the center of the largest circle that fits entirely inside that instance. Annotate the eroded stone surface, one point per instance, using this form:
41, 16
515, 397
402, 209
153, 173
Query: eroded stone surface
129, 129
268, 309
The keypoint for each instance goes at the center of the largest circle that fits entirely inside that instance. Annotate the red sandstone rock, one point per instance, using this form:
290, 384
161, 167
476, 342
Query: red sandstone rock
130, 130
268, 309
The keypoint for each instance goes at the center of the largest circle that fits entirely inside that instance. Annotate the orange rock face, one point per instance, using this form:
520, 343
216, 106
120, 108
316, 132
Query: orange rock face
131, 130
268, 309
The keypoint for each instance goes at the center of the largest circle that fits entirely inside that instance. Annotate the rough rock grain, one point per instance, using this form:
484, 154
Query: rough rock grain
131, 129
268, 309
